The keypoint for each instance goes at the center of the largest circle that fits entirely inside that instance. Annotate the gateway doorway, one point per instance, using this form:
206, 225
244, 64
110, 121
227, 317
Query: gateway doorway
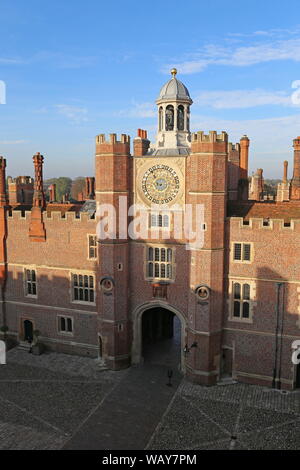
161, 337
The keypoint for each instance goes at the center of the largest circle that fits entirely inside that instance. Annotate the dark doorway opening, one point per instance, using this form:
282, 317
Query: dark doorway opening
226, 363
28, 330
298, 375
100, 345
161, 337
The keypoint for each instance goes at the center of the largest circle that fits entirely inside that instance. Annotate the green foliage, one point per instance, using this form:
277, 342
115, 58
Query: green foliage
63, 186
78, 186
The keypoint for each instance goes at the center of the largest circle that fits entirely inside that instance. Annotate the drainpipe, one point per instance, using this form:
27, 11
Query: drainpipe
278, 284
281, 333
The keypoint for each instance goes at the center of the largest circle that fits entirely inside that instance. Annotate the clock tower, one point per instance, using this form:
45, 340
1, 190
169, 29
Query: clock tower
159, 273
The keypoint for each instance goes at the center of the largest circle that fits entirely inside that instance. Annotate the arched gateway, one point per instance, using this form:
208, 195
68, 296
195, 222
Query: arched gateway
153, 323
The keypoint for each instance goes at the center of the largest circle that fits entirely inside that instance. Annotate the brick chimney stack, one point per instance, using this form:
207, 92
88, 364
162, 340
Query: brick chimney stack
38, 196
285, 171
257, 186
295, 188
141, 143
283, 188
37, 232
244, 146
243, 189
90, 187
52, 192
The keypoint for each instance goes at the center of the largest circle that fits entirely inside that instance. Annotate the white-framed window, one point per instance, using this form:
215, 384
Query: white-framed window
159, 220
241, 300
160, 262
65, 324
83, 288
30, 282
92, 249
242, 252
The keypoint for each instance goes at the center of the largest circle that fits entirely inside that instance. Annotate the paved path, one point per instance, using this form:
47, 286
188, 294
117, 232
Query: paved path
57, 401
129, 415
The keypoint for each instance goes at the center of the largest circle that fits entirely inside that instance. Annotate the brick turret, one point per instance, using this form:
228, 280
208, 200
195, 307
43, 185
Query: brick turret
37, 231
141, 143
113, 185
3, 222
207, 187
233, 170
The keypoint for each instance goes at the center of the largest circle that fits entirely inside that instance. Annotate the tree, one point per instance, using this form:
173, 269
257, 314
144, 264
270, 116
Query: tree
78, 186
63, 186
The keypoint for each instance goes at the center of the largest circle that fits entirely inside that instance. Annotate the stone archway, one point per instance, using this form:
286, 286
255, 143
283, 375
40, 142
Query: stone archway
137, 321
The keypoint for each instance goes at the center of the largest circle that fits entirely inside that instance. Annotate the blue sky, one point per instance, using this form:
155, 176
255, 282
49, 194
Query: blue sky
75, 69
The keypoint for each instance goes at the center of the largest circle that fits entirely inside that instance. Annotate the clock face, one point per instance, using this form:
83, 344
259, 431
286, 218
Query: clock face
160, 184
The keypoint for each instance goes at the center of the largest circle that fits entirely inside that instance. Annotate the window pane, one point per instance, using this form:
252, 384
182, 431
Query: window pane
150, 269
237, 251
80, 294
169, 271
236, 309
246, 253
169, 255
150, 254
162, 270
153, 220
91, 282
166, 221
75, 293
162, 254
75, 280
86, 295
62, 324
246, 310
237, 291
156, 270
80, 280
69, 324
160, 220
156, 254
33, 289
28, 274
91, 296
246, 292
29, 288
33, 275
86, 281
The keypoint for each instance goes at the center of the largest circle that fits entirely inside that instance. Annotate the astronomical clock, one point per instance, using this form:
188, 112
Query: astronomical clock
159, 181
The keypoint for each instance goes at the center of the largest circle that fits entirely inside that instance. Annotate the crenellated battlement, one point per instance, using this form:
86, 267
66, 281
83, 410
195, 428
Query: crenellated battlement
101, 139
55, 216
19, 215
263, 224
233, 147
212, 137
76, 217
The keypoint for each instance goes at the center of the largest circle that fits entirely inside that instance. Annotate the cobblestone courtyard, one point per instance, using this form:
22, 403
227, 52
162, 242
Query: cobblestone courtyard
56, 401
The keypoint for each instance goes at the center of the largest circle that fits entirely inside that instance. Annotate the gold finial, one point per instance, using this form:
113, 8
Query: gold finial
174, 72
